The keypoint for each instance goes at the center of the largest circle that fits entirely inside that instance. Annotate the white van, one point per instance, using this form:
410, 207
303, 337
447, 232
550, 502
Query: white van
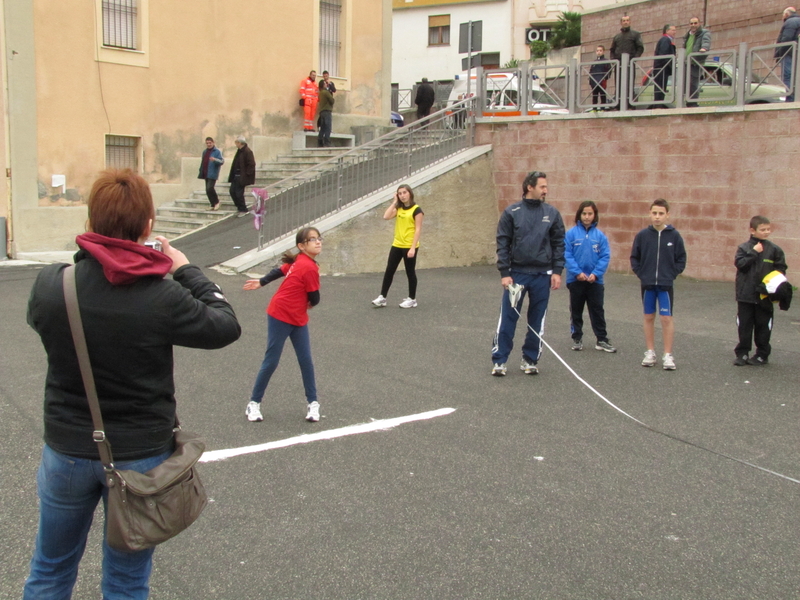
502, 96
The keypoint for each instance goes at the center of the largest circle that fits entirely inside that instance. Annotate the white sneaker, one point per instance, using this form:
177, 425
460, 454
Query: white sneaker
313, 412
499, 369
669, 362
529, 368
408, 303
253, 411
379, 301
650, 358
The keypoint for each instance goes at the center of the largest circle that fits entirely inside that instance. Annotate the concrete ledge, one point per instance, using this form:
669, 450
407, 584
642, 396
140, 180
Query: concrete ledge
248, 260
302, 140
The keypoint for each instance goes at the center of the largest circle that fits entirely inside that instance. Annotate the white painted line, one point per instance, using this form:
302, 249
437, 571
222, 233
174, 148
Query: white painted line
324, 435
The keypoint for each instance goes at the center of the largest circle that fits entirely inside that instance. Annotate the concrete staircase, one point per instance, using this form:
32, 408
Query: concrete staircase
185, 215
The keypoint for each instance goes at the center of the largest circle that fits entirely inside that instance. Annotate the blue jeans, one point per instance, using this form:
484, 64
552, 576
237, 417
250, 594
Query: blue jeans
786, 76
537, 288
69, 490
277, 332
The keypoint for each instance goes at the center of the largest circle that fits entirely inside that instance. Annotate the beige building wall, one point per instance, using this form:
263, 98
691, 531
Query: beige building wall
205, 68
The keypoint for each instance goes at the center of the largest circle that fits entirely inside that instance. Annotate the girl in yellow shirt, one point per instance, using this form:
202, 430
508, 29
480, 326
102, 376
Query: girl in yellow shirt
407, 229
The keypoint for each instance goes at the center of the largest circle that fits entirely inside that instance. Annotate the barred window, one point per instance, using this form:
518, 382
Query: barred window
439, 30
330, 45
120, 24
122, 152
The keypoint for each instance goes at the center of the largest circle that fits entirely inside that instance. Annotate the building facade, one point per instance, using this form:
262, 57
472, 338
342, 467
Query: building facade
140, 84
426, 33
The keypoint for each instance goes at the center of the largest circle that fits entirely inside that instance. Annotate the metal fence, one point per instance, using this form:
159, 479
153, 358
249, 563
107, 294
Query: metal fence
739, 76
333, 185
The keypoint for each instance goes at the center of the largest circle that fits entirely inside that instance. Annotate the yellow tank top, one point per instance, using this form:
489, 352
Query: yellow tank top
404, 226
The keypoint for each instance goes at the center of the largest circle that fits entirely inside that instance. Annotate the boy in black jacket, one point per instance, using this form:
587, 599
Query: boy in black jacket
658, 256
754, 259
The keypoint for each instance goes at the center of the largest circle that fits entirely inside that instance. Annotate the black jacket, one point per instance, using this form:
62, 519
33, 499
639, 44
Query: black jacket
130, 331
664, 47
658, 257
627, 41
789, 33
530, 239
598, 72
751, 267
425, 95
243, 163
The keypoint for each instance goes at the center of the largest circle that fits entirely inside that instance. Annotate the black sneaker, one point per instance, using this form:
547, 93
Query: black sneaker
577, 345
605, 346
757, 361
740, 361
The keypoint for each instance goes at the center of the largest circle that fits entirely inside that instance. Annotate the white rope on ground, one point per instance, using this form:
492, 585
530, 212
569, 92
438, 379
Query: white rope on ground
645, 425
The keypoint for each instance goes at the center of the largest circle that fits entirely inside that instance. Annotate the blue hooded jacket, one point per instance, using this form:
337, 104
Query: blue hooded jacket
658, 257
586, 251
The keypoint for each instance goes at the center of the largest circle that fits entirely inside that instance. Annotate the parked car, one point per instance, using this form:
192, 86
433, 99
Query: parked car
716, 88
397, 119
502, 98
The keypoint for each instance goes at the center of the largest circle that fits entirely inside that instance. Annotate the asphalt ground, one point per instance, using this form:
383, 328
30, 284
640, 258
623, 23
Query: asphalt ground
532, 488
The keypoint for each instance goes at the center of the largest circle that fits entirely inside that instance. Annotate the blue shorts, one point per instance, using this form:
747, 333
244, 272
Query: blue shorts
660, 293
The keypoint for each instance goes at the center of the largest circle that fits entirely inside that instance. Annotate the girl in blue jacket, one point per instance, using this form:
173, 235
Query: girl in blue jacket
587, 255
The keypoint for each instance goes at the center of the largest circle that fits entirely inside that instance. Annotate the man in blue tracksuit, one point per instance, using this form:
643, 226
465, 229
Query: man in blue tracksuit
530, 253
587, 255
658, 256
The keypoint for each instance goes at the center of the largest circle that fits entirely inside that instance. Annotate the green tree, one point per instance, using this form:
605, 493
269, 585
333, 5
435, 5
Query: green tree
567, 32
539, 49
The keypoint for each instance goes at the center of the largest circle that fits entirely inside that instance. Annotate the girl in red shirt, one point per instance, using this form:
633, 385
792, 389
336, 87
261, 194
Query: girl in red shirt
287, 317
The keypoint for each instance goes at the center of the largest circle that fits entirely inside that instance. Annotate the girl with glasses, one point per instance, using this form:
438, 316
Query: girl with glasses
287, 317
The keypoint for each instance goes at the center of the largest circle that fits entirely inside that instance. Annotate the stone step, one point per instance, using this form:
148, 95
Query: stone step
197, 211
182, 223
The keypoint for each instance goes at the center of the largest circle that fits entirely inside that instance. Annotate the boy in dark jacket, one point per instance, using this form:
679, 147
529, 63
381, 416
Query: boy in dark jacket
754, 259
658, 256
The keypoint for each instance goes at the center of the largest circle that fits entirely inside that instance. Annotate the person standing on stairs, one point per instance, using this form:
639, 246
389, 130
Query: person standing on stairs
210, 163
325, 113
243, 173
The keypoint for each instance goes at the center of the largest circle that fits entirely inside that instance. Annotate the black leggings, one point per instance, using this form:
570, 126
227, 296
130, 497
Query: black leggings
395, 255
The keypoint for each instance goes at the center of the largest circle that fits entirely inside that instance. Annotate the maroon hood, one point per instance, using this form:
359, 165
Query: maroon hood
124, 261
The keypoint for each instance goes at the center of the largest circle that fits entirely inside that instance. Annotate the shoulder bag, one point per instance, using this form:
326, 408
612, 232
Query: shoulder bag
144, 509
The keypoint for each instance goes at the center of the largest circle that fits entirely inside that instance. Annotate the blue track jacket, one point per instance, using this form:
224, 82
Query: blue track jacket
586, 251
530, 239
658, 257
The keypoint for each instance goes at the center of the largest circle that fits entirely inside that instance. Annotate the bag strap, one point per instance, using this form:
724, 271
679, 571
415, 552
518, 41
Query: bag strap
79, 339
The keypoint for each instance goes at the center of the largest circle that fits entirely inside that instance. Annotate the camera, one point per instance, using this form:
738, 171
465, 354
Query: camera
154, 244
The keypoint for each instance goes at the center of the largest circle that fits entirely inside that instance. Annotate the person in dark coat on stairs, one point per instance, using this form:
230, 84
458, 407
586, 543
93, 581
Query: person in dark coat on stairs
243, 173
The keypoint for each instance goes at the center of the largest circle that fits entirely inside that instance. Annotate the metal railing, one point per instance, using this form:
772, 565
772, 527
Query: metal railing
744, 75
337, 183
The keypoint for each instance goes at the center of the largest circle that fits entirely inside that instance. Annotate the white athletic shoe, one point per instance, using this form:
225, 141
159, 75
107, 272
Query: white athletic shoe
379, 302
669, 362
649, 358
408, 303
253, 411
313, 412
499, 369
529, 368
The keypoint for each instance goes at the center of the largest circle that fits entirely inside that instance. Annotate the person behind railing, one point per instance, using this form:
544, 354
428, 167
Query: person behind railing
325, 115
424, 99
627, 41
697, 40
598, 77
789, 33
662, 67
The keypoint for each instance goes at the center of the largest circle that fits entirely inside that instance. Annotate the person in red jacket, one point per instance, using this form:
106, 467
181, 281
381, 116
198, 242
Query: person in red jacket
309, 96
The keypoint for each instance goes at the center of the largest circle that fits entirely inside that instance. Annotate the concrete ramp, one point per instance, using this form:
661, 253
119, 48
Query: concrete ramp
254, 257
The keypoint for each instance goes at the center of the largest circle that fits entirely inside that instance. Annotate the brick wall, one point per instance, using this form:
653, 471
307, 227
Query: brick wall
716, 170
756, 22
